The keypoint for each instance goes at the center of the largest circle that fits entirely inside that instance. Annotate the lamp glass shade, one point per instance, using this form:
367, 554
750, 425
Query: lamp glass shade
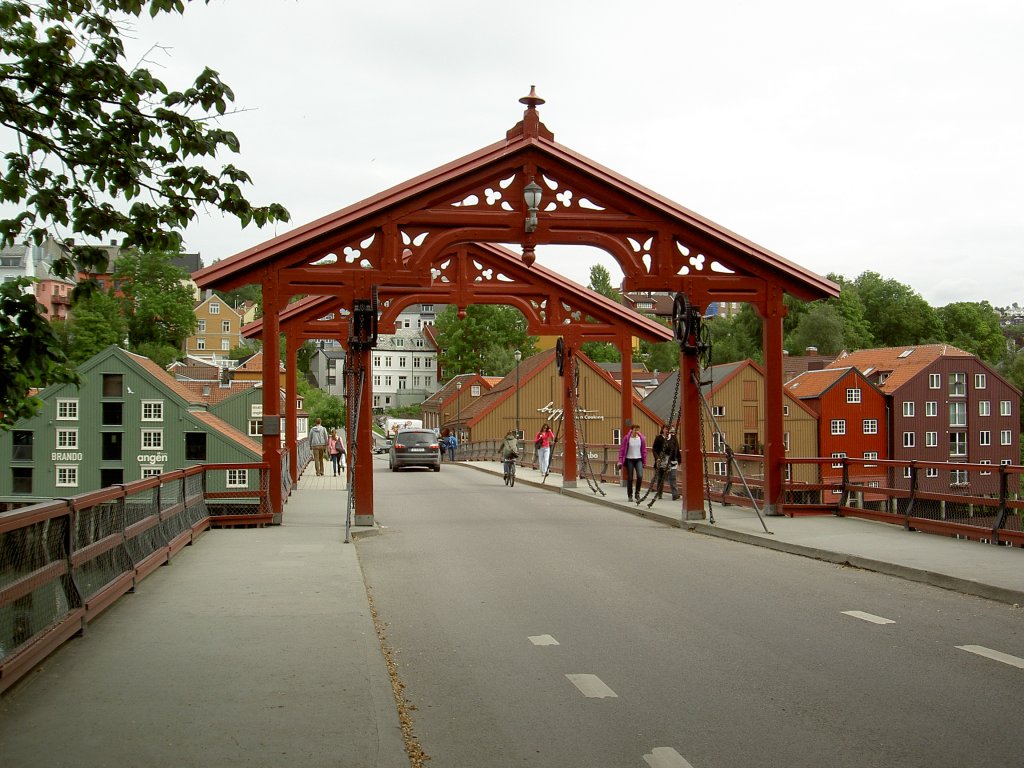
532, 193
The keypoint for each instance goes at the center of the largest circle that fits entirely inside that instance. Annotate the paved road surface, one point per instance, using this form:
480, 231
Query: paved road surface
535, 630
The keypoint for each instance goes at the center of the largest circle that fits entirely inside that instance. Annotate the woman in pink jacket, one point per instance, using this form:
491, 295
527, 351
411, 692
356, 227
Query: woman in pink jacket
632, 455
543, 441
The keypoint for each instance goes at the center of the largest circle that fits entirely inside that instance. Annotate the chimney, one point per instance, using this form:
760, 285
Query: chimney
811, 351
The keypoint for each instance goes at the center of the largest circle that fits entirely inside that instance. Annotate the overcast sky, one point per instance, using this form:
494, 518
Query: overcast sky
886, 135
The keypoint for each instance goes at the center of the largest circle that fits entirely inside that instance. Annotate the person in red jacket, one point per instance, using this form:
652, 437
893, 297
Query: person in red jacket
632, 455
543, 442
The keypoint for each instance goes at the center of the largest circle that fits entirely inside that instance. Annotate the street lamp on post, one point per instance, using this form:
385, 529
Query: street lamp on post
518, 356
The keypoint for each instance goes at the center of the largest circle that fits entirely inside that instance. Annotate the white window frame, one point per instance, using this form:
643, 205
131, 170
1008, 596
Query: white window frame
984, 437
931, 439
1006, 437
155, 408
225, 345
718, 410
908, 408
869, 426
66, 475
984, 472
853, 395
931, 408
719, 468
225, 326
957, 443
838, 455
1005, 408
958, 384
255, 427
151, 440
958, 414
200, 343
870, 456
718, 442
909, 439
838, 426
474, 391
934, 381
984, 407
69, 408
958, 477
214, 307
67, 439
931, 472
201, 328
980, 381
237, 478
151, 472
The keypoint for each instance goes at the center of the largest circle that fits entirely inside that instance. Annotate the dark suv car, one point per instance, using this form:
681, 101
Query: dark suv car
415, 448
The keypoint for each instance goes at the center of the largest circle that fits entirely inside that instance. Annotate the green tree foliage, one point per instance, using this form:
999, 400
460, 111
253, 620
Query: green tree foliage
466, 343
897, 315
30, 353
601, 281
601, 351
820, 326
330, 409
160, 353
157, 306
737, 337
94, 148
95, 324
974, 327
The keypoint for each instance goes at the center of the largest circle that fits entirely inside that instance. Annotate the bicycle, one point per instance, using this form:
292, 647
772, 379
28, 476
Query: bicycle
510, 472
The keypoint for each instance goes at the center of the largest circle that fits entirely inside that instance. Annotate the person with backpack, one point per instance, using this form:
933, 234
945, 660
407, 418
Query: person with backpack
509, 452
336, 450
318, 444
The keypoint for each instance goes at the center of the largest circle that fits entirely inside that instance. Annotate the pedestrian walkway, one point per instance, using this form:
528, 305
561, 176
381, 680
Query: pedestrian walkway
254, 647
985, 570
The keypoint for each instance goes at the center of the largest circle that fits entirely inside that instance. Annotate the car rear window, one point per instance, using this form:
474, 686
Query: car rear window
416, 438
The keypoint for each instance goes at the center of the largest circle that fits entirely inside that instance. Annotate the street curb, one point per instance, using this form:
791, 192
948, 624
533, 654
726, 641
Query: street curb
955, 584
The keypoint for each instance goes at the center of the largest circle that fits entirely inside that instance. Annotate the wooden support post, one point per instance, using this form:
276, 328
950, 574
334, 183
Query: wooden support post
570, 449
774, 428
363, 476
291, 410
271, 392
690, 480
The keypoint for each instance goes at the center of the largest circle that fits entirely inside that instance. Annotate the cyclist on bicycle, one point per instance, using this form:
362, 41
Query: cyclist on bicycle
509, 452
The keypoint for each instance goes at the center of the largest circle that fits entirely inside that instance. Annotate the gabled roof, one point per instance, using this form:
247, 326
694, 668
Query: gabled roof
227, 431
812, 384
213, 393
254, 364
901, 364
794, 365
162, 376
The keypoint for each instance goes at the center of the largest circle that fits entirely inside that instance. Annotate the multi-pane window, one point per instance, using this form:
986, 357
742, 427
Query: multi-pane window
958, 414
238, 478
255, 427
718, 442
984, 408
958, 477
838, 426
870, 426
67, 439
984, 437
853, 395
931, 439
401, 361
984, 471
719, 468
1005, 408
152, 439
838, 455
909, 440
785, 410
957, 443
225, 326
202, 326
152, 410
870, 456
376, 360
151, 472
200, 343
931, 408
376, 380
718, 410
225, 345
214, 308
1006, 437
908, 408
785, 442
931, 472
957, 384
387, 361
980, 381
67, 476
387, 381
416, 361
934, 381
67, 410
906, 472
474, 391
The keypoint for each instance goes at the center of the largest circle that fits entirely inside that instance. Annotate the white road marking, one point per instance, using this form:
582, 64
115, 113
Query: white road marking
666, 757
869, 617
543, 640
592, 687
988, 653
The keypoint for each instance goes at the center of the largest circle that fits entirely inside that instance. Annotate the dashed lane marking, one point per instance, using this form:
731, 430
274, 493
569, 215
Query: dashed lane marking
869, 617
988, 653
543, 640
666, 757
592, 686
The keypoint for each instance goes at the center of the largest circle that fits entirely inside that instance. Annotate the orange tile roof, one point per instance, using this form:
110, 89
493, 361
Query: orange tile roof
813, 383
225, 429
901, 363
165, 378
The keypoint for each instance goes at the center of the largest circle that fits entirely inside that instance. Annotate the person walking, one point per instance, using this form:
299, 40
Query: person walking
453, 443
632, 455
318, 444
666, 458
335, 451
509, 452
543, 442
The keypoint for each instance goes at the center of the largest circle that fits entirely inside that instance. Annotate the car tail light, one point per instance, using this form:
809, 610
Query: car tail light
399, 445
435, 446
